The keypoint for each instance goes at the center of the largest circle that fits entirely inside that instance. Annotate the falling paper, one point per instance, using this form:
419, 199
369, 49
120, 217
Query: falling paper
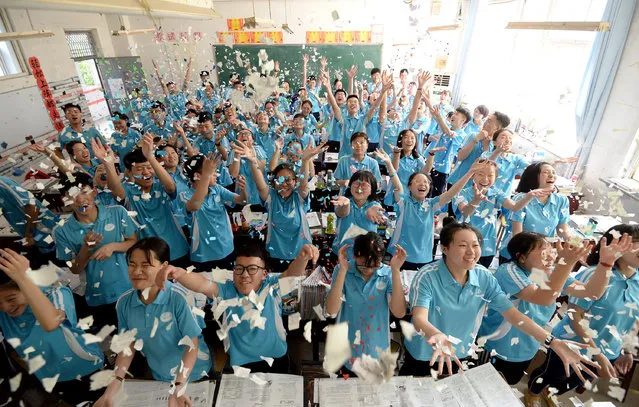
240, 371
36, 363
49, 382
45, 276
101, 379
307, 331
338, 347
294, 321
408, 330
352, 232
369, 65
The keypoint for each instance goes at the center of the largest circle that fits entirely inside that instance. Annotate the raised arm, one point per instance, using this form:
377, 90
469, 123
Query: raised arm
190, 150
307, 163
106, 157
334, 297
423, 80
164, 177
397, 303
58, 161
275, 160
459, 185
187, 76
258, 177
298, 265
351, 78
15, 267
470, 145
430, 160
209, 166
304, 68
337, 112
387, 82
165, 90
398, 189
521, 204
436, 114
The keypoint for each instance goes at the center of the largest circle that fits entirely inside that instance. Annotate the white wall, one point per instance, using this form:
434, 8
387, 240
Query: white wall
621, 116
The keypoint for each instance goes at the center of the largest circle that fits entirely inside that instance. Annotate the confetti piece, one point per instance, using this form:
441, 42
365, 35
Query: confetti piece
307, 331
294, 321
14, 382
240, 371
15, 342
408, 330
102, 379
338, 348
188, 342
49, 382
155, 327
85, 323
267, 360
36, 363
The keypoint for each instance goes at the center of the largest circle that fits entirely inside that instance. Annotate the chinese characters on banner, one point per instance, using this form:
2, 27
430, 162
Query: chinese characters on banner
184, 36
338, 37
250, 37
47, 96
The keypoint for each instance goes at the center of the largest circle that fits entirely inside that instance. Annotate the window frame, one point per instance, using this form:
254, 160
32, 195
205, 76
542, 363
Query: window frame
16, 48
92, 42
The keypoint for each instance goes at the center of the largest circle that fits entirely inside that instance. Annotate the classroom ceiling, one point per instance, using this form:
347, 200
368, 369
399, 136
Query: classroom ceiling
197, 9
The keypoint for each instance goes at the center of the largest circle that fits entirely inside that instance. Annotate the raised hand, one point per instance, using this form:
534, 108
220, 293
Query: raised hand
569, 353
387, 80
572, 253
540, 192
309, 252
102, 152
147, 145
210, 164
381, 154
437, 149
623, 364
342, 258
398, 259
375, 214
340, 201
279, 143
13, 264
323, 62
479, 194
352, 72
277, 65
609, 253
423, 78
305, 59
168, 272
92, 239
443, 352
240, 183
310, 152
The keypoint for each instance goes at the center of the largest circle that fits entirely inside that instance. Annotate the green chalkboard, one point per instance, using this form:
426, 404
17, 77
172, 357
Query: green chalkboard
340, 57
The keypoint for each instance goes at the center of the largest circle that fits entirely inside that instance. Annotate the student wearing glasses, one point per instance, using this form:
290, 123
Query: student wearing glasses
260, 333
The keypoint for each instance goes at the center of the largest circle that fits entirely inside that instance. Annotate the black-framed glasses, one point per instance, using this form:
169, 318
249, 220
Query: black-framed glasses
252, 269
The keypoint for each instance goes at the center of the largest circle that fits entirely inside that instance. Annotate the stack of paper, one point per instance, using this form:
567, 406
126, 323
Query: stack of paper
313, 292
261, 389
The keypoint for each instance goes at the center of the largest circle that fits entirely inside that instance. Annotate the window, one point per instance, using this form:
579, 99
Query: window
11, 62
81, 44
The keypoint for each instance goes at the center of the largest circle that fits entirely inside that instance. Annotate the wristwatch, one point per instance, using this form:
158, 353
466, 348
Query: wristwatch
548, 341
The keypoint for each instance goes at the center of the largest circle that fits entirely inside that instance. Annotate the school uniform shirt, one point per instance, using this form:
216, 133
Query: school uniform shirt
245, 169
356, 216
348, 165
312, 93
484, 217
472, 128
123, 144
305, 140
211, 233
224, 176
246, 344
408, 165
266, 140
105, 198
287, 228
163, 130
511, 344
13, 199
444, 159
453, 309
176, 104
348, 126
68, 135
374, 129
177, 206
390, 134
613, 315
537, 217
161, 325
155, 217
509, 166
463, 166
365, 308
310, 123
334, 127
414, 230
63, 349
207, 146
90, 168
209, 103
106, 279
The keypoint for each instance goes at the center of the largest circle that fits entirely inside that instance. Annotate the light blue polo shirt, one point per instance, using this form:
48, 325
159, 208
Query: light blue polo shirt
311, 96
613, 315
509, 167
63, 349
245, 169
366, 310
68, 135
287, 229
444, 159
374, 129
513, 279
310, 123
176, 104
211, 233
334, 126
414, 230
356, 216
390, 134
155, 217
105, 198
304, 140
537, 217
123, 144
420, 127
408, 165
172, 310
348, 126
209, 103
348, 165
265, 140
106, 279
13, 199
463, 166
472, 128
165, 130
177, 206
247, 344
484, 217
453, 309
207, 146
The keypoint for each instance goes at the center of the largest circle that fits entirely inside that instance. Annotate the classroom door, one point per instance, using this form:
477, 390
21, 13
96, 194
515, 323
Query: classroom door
92, 89
120, 76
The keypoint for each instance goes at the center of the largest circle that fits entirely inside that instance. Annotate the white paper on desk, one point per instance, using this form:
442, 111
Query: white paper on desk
338, 347
279, 390
313, 220
148, 393
491, 387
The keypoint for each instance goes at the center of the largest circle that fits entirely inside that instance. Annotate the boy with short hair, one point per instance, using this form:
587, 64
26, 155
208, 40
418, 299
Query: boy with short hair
76, 130
160, 126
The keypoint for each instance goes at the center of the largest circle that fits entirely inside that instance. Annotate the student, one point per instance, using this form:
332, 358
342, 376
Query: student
418, 119
358, 160
240, 166
406, 161
475, 146
374, 126
353, 121
81, 156
250, 341
149, 195
93, 240
601, 323
310, 122
363, 290
264, 135
208, 98
510, 165
480, 206
448, 299
311, 85
212, 236
30, 219
104, 196
41, 322
76, 130
169, 157
160, 125
164, 321
376, 83
513, 351
359, 206
175, 99
287, 227
479, 116
414, 230
548, 215
451, 138
299, 132
200, 92
208, 140
124, 138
